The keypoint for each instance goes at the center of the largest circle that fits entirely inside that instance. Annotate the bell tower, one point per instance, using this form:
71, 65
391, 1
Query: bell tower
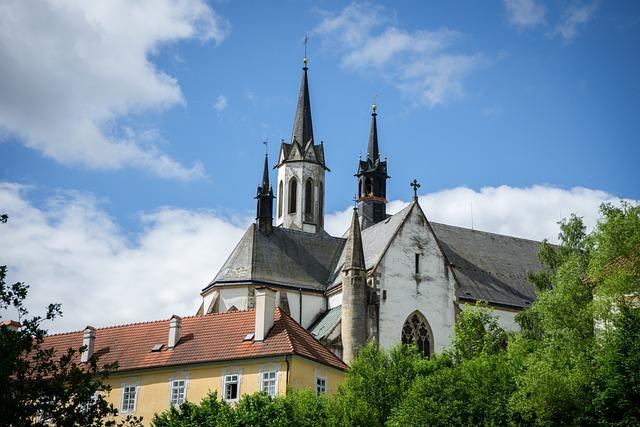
372, 180
301, 170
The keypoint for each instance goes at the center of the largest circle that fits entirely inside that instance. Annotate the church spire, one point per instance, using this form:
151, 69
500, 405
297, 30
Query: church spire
264, 196
373, 152
302, 125
354, 254
372, 180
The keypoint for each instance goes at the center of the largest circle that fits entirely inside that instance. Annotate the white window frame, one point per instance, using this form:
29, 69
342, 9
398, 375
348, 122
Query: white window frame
323, 385
172, 387
136, 391
263, 380
230, 373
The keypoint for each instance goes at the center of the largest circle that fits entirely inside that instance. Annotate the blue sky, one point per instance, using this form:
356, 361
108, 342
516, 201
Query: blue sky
133, 115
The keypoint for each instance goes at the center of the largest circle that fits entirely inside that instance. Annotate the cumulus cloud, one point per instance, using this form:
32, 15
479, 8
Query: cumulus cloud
71, 251
69, 70
419, 63
220, 104
575, 16
525, 13
531, 212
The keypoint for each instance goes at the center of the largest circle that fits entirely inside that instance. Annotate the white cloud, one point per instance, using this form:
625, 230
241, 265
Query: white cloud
531, 212
575, 16
69, 70
71, 251
525, 13
220, 104
419, 63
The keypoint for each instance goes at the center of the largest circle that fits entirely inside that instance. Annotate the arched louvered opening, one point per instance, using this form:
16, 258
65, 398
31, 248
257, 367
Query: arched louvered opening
320, 203
416, 330
308, 197
293, 195
368, 187
280, 197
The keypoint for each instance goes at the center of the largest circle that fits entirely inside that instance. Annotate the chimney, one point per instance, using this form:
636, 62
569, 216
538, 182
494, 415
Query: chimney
11, 324
175, 325
88, 342
265, 312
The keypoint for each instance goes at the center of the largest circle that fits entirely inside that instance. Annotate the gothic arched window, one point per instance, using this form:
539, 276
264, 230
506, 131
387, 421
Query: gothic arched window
308, 197
293, 195
368, 187
280, 197
416, 330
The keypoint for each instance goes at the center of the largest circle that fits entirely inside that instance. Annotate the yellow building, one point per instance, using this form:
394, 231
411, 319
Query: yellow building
166, 362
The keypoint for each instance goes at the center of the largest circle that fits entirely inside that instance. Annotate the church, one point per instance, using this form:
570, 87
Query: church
389, 278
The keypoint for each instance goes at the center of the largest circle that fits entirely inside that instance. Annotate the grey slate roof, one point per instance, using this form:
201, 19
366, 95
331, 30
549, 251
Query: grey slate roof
284, 257
327, 323
488, 266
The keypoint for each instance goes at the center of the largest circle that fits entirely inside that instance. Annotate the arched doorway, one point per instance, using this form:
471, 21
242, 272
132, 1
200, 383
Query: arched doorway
416, 330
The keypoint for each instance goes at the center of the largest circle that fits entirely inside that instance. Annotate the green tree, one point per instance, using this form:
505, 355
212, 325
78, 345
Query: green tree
39, 385
375, 383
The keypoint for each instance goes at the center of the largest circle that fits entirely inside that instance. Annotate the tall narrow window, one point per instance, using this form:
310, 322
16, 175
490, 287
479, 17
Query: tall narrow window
231, 387
308, 197
417, 263
321, 385
178, 392
293, 195
416, 331
269, 382
368, 187
128, 398
280, 197
320, 202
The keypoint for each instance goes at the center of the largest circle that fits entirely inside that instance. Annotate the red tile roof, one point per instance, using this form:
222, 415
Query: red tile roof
214, 337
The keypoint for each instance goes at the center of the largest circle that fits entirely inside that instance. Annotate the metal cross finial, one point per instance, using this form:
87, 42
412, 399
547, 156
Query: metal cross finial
415, 186
306, 42
266, 146
374, 106
355, 202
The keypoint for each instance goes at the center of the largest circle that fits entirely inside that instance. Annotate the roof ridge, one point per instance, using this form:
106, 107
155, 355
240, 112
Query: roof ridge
487, 232
148, 322
306, 233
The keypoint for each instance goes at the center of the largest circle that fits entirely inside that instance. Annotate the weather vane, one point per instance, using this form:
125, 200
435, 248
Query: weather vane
266, 144
355, 202
415, 186
374, 106
306, 42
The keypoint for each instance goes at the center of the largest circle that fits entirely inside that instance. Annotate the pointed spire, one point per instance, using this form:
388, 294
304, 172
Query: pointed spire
265, 173
372, 152
302, 126
354, 258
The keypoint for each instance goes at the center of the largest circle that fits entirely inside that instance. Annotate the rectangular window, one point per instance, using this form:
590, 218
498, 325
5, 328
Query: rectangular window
417, 263
129, 398
268, 382
231, 387
178, 392
321, 385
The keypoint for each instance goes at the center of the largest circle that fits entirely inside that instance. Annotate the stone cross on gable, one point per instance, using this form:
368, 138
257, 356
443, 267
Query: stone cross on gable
415, 186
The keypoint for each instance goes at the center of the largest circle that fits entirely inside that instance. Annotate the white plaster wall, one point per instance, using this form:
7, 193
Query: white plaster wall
233, 296
335, 300
302, 171
506, 318
432, 293
312, 306
207, 299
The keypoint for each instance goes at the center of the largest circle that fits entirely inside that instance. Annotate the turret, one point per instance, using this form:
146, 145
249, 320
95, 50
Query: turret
264, 196
354, 294
372, 180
